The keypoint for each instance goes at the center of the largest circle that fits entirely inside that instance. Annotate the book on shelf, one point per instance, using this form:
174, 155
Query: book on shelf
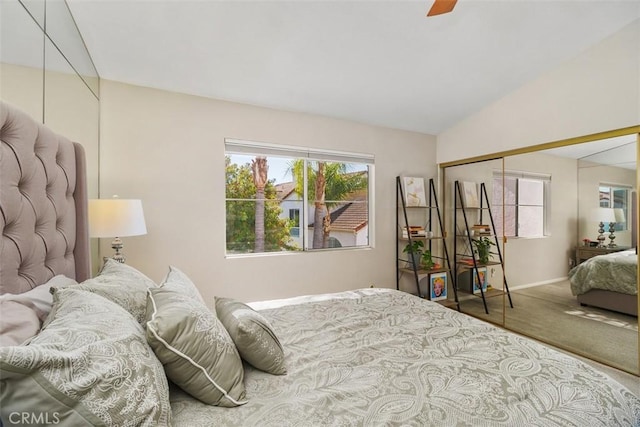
414, 230
481, 230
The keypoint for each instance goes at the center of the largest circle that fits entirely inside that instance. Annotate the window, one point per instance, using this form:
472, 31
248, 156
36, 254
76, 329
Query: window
294, 217
616, 197
283, 199
526, 203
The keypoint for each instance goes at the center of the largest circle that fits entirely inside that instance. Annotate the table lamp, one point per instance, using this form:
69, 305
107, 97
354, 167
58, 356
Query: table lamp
619, 218
116, 218
603, 216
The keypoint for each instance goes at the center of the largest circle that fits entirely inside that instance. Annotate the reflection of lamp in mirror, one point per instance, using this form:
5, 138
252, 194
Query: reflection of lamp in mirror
619, 218
116, 218
603, 216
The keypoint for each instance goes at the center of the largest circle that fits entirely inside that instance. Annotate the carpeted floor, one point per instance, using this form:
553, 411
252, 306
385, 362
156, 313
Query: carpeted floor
551, 314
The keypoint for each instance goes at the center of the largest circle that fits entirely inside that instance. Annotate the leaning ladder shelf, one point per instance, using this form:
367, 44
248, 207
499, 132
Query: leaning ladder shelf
402, 221
463, 232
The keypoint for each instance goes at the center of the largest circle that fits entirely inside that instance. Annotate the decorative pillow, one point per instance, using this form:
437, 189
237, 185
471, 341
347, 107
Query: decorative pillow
252, 334
91, 365
180, 282
23, 314
123, 285
197, 353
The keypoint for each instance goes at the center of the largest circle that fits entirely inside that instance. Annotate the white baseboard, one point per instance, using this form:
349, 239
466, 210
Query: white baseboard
531, 285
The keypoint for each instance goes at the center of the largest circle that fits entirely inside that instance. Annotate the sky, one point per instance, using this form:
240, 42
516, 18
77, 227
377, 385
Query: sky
278, 166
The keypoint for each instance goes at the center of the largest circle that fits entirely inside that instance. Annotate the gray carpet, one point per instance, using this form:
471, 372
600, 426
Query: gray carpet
551, 314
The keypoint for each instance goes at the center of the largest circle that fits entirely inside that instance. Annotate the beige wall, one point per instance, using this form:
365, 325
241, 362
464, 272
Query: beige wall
23, 87
599, 90
168, 150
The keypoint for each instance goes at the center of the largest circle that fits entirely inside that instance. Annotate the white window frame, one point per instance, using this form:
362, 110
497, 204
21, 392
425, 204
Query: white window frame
254, 148
627, 211
546, 206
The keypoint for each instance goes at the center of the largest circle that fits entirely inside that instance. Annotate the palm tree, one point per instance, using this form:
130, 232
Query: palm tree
332, 182
259, 169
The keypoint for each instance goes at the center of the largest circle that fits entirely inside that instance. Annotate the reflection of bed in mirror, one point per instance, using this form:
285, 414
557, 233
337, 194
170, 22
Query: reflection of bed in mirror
608, 281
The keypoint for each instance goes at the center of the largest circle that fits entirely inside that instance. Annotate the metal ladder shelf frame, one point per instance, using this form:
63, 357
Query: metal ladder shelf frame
459, 206
433, 204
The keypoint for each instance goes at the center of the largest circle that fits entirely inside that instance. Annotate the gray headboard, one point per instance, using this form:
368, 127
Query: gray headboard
43, 204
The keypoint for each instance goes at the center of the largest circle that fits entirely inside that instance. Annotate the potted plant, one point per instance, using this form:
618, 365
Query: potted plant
483, 248
427, 260
414, 249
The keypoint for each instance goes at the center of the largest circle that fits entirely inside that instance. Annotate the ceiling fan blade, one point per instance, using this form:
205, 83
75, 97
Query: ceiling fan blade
441, 6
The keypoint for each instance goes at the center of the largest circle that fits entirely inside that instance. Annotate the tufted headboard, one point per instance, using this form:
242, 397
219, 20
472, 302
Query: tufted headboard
43, 204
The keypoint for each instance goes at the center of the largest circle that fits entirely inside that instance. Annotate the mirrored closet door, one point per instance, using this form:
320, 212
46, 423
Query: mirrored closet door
555, 210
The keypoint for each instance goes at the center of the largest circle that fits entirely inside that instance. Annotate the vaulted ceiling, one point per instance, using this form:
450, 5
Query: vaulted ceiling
377, 62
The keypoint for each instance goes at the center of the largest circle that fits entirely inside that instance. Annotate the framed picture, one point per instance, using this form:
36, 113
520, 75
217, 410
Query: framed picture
482, 272
470, 195
438, 286
414, 191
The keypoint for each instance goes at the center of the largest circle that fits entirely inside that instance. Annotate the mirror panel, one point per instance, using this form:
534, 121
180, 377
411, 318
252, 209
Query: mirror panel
62, 29
539, 268
36, 10
36, 77
562, 188
21, 60
72, 110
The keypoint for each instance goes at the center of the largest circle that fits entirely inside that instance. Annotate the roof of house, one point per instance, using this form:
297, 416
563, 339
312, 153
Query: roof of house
352, 215
284, 189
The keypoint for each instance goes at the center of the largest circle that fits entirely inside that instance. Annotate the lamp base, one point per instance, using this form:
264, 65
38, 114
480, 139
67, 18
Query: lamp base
601, 237
612, 228
117, 244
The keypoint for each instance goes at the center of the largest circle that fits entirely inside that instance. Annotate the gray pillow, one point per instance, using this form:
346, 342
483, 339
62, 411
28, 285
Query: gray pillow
121, 284
197, 353
180, 282
252, 334
91, 365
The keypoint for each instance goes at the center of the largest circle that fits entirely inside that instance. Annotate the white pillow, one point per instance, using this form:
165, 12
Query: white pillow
39, 298
23, 314
17, 323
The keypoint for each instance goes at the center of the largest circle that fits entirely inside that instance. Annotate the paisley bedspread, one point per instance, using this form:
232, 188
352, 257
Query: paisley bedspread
382, 357
616, 272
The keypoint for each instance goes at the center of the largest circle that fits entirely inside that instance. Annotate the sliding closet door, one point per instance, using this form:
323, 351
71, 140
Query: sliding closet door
558, 202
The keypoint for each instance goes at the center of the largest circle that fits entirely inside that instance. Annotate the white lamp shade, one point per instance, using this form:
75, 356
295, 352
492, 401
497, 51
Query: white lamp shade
604, 215
619, 214
116, 218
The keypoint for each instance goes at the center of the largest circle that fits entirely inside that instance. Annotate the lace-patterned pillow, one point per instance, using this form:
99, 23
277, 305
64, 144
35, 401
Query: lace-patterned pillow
91, 365
121, 284
180, 282
253, 335
197, 353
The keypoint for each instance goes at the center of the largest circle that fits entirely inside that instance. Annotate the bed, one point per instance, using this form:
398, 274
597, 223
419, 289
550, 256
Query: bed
118, 349
608, 281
